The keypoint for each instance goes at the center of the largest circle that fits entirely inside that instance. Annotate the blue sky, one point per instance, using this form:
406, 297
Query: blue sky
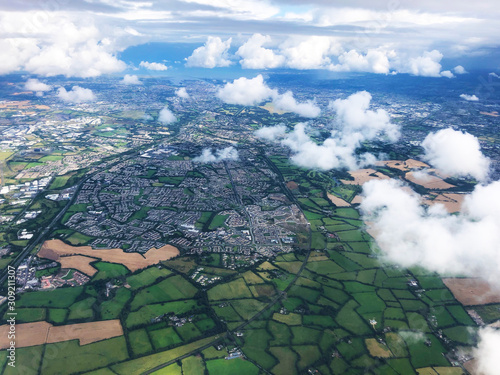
89, 38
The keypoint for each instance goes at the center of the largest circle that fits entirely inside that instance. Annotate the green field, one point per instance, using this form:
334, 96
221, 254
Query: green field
173, 288
163, 338
139, 341
57, 315
78, 239
193, 365
140, 365
147, 277
109, 270
29, 315
60, 181
234, 289
112, 308
231, 367
188, 332
217, 221
82, 309
63, 297
64, 357
146, 313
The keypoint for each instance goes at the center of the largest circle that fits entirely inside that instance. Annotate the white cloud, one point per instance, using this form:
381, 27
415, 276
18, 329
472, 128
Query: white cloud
459, 69
182, 93
16, 52
245, 91
456, 153
410, 234
166, 116
45, 44
470, 98
355, 117
212, 54
55, 46
447, 74
239, 9
493, 74
34, 84
77, 94
486, 353
253, 91
83, 60
254, 56
153, 65
355, 123
271, 133
207, 156
310, 52
374, 61
129, 79
332, 153
426, 65
286, 102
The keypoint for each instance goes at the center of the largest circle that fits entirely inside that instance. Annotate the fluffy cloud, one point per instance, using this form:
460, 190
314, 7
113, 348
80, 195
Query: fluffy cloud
374, 61
254, 56
129, 79
355, 123
427, 65
459, 69
322, 52
447, 74
286, 102
310, 53
245, 91
470, 98
355, 117
166, 116
153, 65
86, 60
493, 74
271, 133
207, 156
410, 234
486, 352
332, 153
182, 93
253, 91
456, 153
77, 94
211, 55
55, 46
34, 84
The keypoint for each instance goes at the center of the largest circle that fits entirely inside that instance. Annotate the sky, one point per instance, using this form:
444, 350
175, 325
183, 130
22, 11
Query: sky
89, 38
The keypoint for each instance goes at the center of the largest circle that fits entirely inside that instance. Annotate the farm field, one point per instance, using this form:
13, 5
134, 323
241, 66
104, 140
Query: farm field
56, 249
30, 334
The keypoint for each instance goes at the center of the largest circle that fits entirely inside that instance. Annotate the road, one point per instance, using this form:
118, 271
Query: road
240, 203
